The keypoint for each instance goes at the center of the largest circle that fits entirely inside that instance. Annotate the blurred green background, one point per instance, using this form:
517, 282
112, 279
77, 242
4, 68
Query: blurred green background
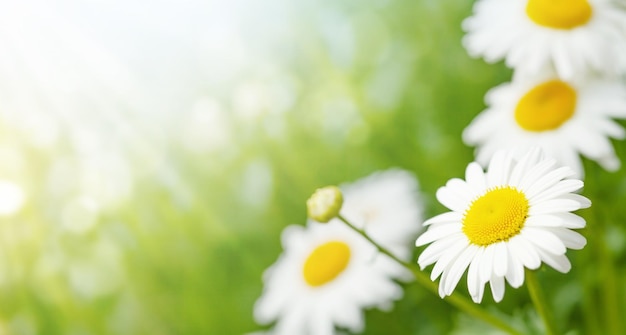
162, 147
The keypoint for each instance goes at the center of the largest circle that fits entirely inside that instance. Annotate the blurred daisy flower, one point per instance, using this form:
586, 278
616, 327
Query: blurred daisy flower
514, 216
562, 117
386, 205
573, 36
326, 275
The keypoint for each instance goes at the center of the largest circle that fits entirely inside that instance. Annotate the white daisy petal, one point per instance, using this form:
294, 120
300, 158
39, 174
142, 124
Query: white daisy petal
522, 219
515, 271
458, 268
525, 252
497, 287
570, 220
584, 202
473, 280
446, 259
450, 199
545, 220
570, 238
498, 169
486, 266
545, 239
529, 159
549, 180
558, 262
435, 250
437, 232
554, 206
500, 259
563, 187
475, 177
447, 217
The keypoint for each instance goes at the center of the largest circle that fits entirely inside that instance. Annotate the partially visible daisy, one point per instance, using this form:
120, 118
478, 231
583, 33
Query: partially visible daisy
514, 216
386, 204
573, 36
325, 277
564, 118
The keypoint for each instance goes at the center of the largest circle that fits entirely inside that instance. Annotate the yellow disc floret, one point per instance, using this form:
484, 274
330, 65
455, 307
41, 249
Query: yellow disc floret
559, 14
326, 262
546, 107
495, 216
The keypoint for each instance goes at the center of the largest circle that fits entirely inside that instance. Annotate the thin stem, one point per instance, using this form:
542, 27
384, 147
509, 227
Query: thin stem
455, 299
540, 302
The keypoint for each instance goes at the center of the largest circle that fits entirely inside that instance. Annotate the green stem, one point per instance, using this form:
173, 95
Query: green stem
455, 299
540, 302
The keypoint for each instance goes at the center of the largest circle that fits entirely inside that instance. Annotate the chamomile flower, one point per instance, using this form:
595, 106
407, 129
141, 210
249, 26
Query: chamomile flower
514, 216
565, 118
325, 277
387, 206
573, 36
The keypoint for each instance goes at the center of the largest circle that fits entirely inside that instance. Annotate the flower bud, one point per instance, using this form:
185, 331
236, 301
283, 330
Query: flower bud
325, 204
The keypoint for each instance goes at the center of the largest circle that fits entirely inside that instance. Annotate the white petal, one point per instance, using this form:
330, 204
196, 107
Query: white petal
549, 180
447, 258
570, 238
558, 205
486, 266
500, 259
450, 198
544, 239
524, 251
434, 251
473, 280
446, 217
349, 318
584, 202
458, 268
499, 169
515, 271
563, 187
523, 166
536, 172
438, 231
544, 220
558, 262
293, 321
571, 220
320, 323
475, 177
497, 287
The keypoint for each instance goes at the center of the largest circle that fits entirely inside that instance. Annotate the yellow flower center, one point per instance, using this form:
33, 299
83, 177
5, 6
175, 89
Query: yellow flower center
546, 107
326, 262
495, 216
559, 14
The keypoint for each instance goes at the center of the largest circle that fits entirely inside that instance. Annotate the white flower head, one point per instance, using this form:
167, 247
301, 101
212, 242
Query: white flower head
575, 37
514, 216
564, 118
326, 275
387, 205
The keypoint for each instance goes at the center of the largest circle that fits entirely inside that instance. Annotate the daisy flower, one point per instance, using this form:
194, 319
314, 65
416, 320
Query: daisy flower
565, 118
326, 275
514, 216
573, 36
386, 205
